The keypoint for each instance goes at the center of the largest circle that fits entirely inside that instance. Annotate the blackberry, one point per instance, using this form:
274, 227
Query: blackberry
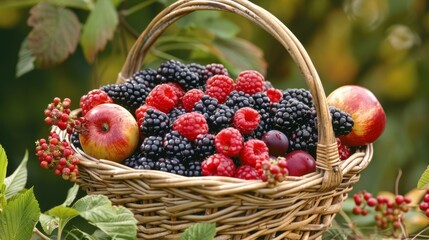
289, 114
130, 94
238, 99
299, 94
171, 165
74, 139
175, 113
145, 163
187, 79
146, 77
221, 118
304, 138
206, 106
200, 70
214, 69
132, 160
155, 122
264, 126
176, 145
194, 169
204, 146
152, 147
267, 85
261, 102
342, 122
167, 71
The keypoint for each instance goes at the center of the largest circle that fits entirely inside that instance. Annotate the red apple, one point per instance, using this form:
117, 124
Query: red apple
299, 163
366, 111
111, 132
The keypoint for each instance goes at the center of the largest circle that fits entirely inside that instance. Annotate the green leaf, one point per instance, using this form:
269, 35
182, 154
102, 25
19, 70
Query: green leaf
25, 60
81, 4
55, 34
71, 195
49, 223
423, 182
241, 54
199, 231
18, 218
222, 28
117, 222
3, 165
98, 29
63, 212
16, 182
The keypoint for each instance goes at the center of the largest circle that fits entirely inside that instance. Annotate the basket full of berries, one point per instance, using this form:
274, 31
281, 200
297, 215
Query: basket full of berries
188, 143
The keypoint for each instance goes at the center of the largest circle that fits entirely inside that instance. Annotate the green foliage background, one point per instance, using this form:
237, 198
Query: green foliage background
382, 45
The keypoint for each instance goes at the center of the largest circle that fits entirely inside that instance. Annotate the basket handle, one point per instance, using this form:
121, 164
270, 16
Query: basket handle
328, 162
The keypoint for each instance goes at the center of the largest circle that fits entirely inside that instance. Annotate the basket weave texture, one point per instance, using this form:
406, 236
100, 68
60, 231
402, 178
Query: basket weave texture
166, 204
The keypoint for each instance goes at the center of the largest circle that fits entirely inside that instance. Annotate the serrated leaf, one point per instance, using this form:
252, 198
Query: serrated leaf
423, 182
241, 54
63, 212
55, 34
18, 218
199, 231
71, 195
98, 29
25, 60
3, 165
49, 223
118, 222
16, 182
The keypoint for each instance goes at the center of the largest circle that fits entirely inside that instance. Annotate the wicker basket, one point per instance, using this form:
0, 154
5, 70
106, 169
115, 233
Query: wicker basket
166, 204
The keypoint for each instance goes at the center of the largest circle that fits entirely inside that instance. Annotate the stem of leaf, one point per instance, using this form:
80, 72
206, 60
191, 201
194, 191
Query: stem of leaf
137, 7
41, 235
60, 230
351, 224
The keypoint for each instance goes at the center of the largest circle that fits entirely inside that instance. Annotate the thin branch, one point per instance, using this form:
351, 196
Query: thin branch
397, 181
41, 235
137, 7
349, 222
420, 233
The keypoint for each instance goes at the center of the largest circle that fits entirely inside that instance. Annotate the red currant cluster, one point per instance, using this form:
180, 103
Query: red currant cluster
58, 114
388, 212
272, 170
56, 154
424, 205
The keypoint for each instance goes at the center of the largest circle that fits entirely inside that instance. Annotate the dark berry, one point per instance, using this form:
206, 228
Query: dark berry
194, 169
175, 113
155, 122
145, 163
152, 147
277, 143
238, 99
171, 165
299, 94
206, 106
342, 122
204, 146
289, 114
176, 145
132, 161
74, 139
221, 118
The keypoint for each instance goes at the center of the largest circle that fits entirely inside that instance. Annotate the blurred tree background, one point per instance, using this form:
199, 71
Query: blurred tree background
379, 44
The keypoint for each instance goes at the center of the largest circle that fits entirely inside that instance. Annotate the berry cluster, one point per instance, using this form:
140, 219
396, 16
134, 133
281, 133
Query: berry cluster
197, 120
388, 213
424, 205
58, 155
57, 114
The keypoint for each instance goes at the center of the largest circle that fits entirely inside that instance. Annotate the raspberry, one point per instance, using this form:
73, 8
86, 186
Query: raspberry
229, 142
177, 89
190, 125
218, 165
250, 82
162, 97
190, 98
274, 95
343, 150
254, 151
246, 120
246, 172
219, 87
92, 99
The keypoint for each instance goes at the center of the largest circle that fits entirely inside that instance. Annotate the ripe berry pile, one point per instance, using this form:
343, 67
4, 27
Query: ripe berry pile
424, 205
197, 120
